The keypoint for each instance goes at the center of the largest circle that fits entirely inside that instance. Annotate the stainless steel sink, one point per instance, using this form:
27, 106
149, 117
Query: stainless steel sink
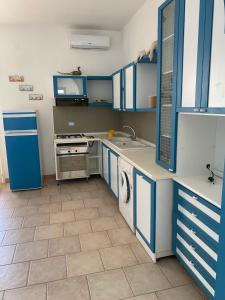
126, 144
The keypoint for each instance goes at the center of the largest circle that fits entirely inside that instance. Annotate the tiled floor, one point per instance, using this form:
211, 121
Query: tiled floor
70, 242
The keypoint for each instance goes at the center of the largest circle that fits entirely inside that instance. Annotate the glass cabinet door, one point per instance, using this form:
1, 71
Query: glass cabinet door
69, 86
167, 72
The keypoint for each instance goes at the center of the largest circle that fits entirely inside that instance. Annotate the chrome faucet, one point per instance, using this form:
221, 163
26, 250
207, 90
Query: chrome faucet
133, 136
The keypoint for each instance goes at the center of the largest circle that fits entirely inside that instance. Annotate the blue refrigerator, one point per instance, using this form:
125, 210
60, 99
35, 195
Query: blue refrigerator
22, 148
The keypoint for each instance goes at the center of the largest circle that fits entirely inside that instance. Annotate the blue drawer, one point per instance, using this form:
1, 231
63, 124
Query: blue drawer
14, 122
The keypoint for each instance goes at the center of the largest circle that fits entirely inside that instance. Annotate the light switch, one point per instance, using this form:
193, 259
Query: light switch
71, 124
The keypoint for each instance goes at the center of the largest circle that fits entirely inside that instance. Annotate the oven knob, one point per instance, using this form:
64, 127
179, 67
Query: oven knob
68, 151
75, 150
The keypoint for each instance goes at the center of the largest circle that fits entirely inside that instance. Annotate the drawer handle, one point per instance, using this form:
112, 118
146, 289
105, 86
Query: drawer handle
195, 197
191, 263
194, 215
192, 231
192, 248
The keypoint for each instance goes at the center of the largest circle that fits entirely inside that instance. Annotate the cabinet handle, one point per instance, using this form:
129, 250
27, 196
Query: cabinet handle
192, 231
192, 248
191, 263
195, 197
194, 215
196, 109
202, 110
171, 170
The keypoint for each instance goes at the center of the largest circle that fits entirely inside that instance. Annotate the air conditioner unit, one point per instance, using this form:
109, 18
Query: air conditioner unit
89, 41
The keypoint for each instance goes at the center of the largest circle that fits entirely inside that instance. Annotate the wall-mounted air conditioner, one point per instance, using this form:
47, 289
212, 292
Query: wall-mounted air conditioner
89, 41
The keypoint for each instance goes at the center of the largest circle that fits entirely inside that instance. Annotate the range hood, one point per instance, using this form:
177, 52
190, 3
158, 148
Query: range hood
71, 101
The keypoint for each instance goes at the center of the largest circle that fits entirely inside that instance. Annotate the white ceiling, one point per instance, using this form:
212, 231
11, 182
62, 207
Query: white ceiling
96, 14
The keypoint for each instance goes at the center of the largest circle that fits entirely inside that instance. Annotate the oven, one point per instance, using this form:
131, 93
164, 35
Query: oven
71, 160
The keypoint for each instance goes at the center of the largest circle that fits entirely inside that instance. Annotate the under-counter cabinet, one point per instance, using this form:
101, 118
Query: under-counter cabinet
203, 77
168, 70
153, 214
196, 236
110, 168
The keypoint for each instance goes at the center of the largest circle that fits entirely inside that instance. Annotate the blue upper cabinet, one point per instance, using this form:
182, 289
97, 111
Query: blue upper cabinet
70, 86
202, 48
170, 26
129, 87
117, 91
213, 87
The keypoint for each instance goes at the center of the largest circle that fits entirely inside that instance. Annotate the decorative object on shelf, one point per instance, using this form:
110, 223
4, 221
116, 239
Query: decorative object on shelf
211, 178
26, 88
152, 101
111, 133
16, 78
152, 50
141, 54
35, 96
77, 72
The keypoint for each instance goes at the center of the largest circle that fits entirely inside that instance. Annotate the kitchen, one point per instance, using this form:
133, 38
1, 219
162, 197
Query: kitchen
152, 176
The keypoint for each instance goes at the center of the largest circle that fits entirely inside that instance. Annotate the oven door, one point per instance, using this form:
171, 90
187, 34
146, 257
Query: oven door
69, 166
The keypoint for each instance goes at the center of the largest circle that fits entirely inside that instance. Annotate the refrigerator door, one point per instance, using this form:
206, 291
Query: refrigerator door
23, 160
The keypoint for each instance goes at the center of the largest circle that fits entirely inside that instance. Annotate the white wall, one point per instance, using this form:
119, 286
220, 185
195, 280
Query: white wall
38, 53
141, 30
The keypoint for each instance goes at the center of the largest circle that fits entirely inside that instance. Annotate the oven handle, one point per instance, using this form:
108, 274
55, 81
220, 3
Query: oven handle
71, 155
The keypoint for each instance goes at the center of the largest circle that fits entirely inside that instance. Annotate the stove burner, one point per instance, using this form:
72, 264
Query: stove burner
70, 136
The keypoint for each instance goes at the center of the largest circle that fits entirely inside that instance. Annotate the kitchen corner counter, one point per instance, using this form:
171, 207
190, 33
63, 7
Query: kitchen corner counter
142, 159
202, 187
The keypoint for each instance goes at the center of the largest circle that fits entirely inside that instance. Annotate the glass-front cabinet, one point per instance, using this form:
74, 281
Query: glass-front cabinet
168, 70
70, 86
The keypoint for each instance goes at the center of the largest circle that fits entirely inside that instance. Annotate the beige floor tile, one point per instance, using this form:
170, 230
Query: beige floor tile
186, 292
15, 202
86, 214
62, 217
18, 236
29, 194
108, 211
117, 257
49, 232
144, 297
146, 278
48, 269
50, 190
93, 241
6, 212
80, 195
75, 204
121, 221
13, 276
35, 292
78, 227
94, 202
31, 251
2, 234
50, 208
110, 285
64, 245
174, 271
140, 253
10, 223
84, 263
6, 255
60, 197
122, 236
36, 220
39, 201
25, 211
69, 289
104, 223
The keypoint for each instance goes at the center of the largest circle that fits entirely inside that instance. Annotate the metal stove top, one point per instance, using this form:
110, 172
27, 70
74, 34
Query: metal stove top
73, 136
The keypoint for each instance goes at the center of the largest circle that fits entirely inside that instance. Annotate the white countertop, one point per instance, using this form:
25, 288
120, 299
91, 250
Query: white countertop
202, 187
143, 159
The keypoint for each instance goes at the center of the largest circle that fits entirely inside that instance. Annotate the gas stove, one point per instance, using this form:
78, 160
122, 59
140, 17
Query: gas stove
73, 136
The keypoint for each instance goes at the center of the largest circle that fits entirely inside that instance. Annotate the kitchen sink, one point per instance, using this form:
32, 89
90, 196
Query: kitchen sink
127, 144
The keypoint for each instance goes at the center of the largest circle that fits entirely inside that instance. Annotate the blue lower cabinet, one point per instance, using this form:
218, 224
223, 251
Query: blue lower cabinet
145, 208
196, 237
110, 169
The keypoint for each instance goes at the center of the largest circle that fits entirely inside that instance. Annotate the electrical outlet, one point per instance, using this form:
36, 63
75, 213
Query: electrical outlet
71, 124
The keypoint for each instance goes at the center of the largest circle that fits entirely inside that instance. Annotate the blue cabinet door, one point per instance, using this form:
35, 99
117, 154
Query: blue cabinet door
145, 208
129, 82
213, 86
23, 162
70, 86
117, 90
169, 74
